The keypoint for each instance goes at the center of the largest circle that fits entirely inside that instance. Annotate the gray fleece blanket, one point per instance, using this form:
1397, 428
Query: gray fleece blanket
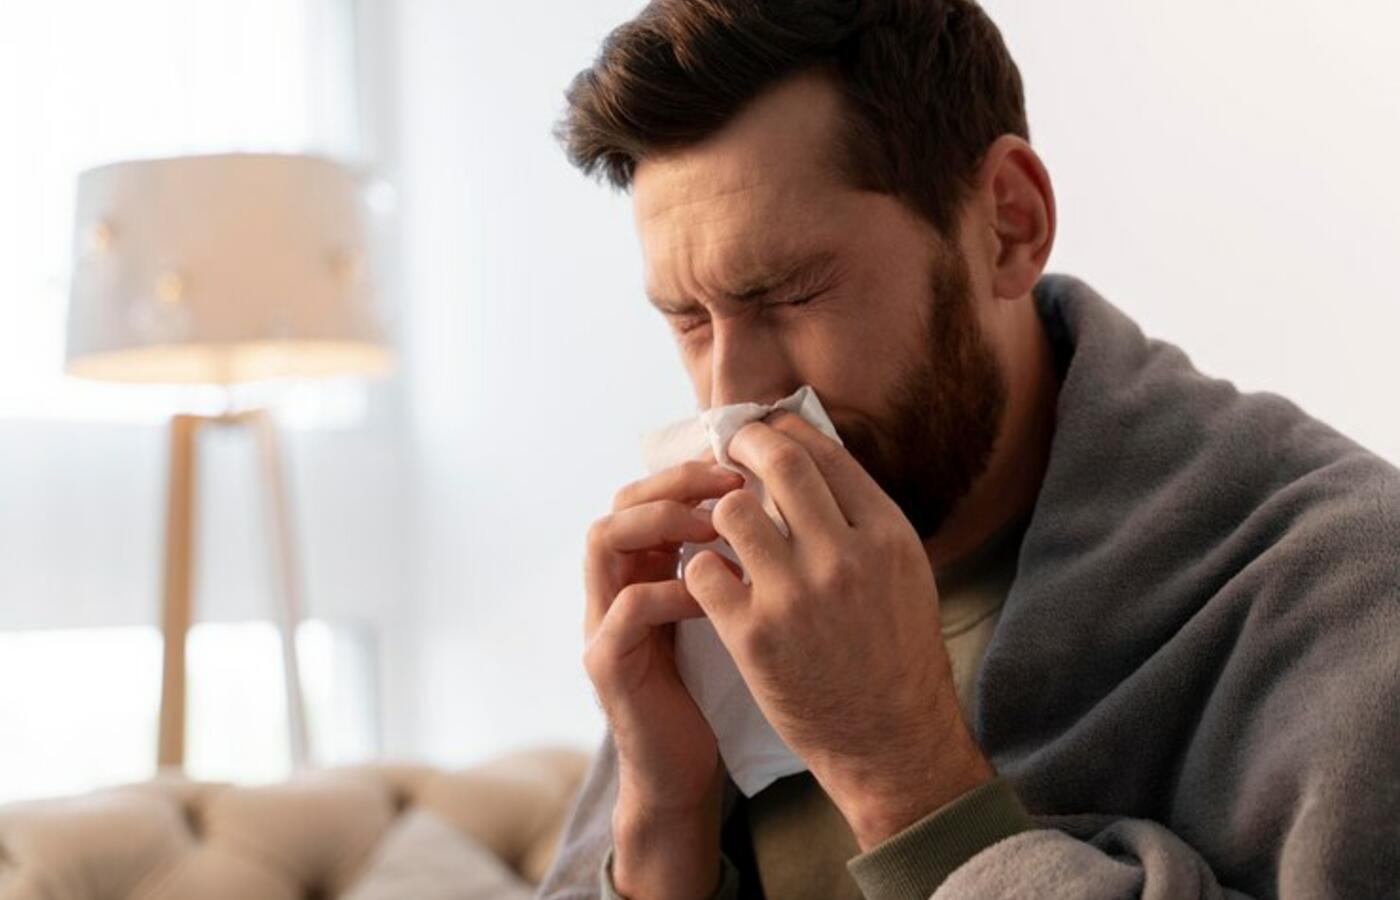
1195, 682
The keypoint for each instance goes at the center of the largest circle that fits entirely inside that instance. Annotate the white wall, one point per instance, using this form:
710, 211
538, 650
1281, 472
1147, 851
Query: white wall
1223, 172
1226, 174
534, 369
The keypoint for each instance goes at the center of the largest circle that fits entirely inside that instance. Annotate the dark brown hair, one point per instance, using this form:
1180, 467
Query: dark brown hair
928, 86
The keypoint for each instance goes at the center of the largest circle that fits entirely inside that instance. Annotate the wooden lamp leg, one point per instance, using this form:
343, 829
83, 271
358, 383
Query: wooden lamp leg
179, 560
179, 570
283, 542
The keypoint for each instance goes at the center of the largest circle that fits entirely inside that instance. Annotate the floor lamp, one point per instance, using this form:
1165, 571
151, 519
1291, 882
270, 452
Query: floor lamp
222, 270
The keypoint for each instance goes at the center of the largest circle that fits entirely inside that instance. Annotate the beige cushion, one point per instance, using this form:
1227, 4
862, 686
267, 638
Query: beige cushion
424, 858
310, 837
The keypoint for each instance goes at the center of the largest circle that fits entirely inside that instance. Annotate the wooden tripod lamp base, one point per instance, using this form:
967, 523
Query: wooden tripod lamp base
178, 609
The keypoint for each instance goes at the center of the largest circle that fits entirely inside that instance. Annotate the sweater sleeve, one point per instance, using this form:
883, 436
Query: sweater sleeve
913, 863
985, 844
1125, 859
728, 885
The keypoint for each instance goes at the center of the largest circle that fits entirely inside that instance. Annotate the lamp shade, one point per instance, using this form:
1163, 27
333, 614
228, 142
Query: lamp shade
222, 269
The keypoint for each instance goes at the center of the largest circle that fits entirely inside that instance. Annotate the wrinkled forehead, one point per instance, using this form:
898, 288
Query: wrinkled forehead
736, 225
767, 179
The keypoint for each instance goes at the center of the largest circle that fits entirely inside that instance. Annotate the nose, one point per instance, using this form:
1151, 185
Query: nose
748, 365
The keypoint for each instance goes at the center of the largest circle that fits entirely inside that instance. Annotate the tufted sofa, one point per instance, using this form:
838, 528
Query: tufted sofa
309, 838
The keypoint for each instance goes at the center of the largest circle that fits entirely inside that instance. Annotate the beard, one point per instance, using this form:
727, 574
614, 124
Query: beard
940, 422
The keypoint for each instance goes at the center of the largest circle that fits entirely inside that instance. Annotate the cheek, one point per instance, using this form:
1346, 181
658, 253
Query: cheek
852, 361
828, 360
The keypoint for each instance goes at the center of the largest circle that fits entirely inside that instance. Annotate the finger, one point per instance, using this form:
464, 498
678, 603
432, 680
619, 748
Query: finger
637, 610
688, 482
658, 525
791, 476
740, 519
857, 494
712, 581
648, 565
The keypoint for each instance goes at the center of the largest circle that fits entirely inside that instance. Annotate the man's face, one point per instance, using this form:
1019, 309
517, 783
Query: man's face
774, 273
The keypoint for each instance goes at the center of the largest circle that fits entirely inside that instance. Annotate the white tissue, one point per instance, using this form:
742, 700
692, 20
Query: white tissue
753, 753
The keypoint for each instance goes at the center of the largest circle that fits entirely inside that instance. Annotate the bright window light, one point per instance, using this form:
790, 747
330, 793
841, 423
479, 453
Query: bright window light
79, 708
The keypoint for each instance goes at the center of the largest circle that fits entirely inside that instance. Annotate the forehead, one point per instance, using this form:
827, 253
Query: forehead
766, 184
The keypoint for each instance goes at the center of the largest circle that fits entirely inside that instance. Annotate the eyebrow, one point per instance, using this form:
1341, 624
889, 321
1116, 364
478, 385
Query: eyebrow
756, 285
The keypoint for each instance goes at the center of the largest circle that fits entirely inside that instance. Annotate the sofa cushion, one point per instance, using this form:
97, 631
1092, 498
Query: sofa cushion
424, 858
314, 836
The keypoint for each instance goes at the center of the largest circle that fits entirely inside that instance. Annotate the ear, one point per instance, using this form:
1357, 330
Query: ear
1020, 209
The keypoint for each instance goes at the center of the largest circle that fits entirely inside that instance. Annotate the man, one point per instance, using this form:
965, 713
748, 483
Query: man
1064, 617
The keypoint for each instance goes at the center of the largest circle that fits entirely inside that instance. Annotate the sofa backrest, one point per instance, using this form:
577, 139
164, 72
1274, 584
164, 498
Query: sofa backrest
308, 837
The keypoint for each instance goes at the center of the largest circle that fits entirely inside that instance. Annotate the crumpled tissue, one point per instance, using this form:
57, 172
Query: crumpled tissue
753, 753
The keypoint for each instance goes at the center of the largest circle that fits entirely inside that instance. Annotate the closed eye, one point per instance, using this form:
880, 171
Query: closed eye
801, 299
686, 320
687, 323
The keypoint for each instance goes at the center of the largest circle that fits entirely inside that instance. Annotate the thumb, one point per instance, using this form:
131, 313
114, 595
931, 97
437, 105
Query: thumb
715, 584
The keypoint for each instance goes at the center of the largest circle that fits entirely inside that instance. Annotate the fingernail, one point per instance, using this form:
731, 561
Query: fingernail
702, 514
727, 474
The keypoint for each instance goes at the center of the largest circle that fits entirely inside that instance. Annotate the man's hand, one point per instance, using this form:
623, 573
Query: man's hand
666, 823
838, 633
